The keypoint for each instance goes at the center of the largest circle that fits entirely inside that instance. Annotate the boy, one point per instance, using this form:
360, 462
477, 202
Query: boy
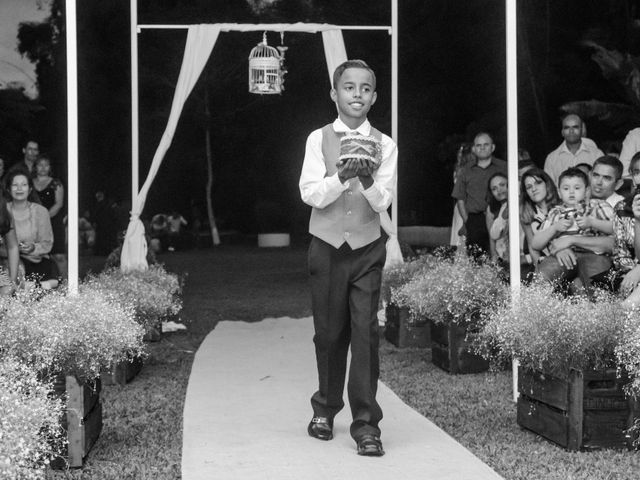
346, 255
578, 233
606, 178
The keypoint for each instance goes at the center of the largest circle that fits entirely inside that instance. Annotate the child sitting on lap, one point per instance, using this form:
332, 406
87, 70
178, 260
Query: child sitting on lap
578, 233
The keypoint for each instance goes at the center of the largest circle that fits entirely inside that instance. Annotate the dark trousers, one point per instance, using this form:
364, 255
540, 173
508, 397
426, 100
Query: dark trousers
345, 289
477, 233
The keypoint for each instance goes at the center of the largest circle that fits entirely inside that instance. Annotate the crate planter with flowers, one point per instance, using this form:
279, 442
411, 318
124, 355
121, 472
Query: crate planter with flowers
76, 334
403, 331
154, 294
451, 351
577, 359
401, 328
122, 371
82, 420
453, 293
584, 410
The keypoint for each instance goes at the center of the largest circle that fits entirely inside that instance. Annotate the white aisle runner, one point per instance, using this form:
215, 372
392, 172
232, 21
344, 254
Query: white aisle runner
247, 410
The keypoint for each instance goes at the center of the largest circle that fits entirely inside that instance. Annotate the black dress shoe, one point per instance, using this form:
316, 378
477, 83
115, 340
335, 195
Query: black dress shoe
370, 446
321, 428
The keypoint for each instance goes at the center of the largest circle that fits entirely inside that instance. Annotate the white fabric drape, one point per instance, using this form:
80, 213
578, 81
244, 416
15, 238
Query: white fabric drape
336, 53
334, 50
200, 42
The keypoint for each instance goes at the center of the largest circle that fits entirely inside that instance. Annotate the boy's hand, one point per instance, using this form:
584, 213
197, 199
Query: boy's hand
560, 243
347, 169
563, 225
584, 222
567, 258
630, 280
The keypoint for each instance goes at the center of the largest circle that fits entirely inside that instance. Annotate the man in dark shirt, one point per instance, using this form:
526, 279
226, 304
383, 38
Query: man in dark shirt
471, 188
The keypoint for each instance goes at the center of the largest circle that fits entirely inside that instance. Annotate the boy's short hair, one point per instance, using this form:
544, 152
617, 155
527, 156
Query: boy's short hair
574, 172
634, 159
610, 161
352, 64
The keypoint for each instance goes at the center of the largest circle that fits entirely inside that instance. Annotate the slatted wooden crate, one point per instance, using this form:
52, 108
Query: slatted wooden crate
400, 331
122, 372
587, 410
82, 420
450, 350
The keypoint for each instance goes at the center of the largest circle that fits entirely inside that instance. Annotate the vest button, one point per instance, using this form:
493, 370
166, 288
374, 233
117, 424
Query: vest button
349, 192
349, 212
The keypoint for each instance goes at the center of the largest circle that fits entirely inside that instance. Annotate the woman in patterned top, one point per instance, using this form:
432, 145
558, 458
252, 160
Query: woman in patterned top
625, 258
538, 195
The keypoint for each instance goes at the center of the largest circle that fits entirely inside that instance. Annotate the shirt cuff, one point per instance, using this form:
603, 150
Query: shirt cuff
334, 184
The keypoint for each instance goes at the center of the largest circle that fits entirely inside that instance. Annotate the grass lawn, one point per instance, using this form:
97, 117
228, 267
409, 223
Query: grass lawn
142, 433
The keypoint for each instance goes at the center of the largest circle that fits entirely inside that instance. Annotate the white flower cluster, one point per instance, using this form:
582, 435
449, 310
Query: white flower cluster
78, 334
30, 432
554, 333
454, 289
153, 294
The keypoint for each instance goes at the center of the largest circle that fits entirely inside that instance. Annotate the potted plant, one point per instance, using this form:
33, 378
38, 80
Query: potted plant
453, 293
30, 424
154, 294
401, 328
69, 339
576, 357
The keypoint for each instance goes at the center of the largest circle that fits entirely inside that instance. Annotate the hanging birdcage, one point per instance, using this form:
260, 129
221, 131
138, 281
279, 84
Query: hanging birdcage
265, 69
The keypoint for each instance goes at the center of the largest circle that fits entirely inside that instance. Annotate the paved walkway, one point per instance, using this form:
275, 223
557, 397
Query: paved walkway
247, 409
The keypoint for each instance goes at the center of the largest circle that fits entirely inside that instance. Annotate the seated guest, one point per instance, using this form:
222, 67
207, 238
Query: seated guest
33, 230
606, 178
626, 276
498, 224
578, 233
9, 245
538, 196
496, 214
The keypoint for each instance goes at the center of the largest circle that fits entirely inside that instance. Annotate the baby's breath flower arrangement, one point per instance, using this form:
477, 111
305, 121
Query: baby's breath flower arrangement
30, 432
154, 293
549, 332
75, 334
398, 275
454, 289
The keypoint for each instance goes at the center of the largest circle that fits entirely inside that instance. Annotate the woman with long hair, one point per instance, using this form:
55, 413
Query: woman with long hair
538, 195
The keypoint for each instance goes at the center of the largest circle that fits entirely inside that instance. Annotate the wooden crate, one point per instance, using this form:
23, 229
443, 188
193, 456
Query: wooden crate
401, 332
450, 351
82, 420
587, 410
122, 372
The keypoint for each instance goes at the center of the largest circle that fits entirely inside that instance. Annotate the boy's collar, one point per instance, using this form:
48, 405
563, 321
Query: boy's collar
340, 127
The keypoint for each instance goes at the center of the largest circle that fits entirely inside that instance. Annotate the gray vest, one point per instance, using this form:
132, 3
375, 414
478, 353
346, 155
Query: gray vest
350, 218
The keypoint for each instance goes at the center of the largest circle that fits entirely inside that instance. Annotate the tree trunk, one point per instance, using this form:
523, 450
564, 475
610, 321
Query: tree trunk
215, 237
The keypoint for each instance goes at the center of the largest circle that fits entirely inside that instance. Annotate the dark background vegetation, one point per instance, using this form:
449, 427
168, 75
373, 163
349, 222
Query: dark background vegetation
452, 84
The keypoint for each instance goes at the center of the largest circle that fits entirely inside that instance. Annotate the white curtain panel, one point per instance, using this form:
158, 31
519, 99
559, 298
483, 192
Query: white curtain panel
200, 42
